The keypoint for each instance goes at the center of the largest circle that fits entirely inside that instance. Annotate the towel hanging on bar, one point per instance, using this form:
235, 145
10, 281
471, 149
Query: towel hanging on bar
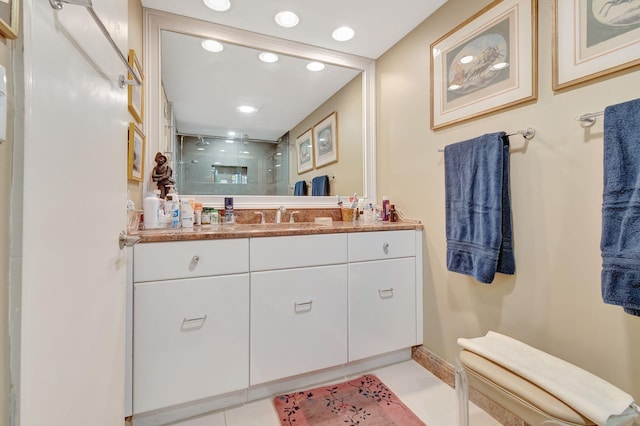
527, 134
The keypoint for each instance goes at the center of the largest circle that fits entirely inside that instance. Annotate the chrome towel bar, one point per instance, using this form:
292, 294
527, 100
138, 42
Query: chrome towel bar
527, 133
58, 5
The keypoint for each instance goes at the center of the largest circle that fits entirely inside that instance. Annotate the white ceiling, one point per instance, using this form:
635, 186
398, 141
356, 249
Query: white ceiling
189, 72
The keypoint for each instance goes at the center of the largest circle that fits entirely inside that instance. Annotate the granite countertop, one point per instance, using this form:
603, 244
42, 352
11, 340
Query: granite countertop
227, 231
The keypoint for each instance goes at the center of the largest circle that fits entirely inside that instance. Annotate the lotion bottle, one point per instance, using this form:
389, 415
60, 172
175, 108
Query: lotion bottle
385, 209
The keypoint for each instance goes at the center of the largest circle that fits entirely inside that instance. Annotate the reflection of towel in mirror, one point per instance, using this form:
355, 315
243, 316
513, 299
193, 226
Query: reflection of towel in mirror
300, 188
320, 186
478, 209
620, 243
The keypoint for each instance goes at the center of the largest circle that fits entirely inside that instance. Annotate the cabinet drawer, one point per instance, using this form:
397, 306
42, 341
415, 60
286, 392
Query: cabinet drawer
298, 321
298, 251
382, 307
191, 340
186, 259
381, 245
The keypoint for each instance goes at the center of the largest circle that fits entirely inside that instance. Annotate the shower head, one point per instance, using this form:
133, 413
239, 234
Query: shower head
189, 162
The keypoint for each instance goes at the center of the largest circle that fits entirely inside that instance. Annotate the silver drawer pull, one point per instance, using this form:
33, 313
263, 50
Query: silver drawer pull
195, 259
385, 293
189, 320
307, 305
385, 248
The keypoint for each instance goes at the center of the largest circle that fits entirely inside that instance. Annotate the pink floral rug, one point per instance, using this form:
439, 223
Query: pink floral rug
363, 401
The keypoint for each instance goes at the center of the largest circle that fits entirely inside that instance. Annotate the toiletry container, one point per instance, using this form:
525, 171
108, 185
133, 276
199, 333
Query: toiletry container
186, 212
172, 207
151, 206
385, 209
197, 214
228, 210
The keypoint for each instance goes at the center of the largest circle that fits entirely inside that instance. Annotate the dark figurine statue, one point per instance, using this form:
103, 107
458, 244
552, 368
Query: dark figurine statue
162, 174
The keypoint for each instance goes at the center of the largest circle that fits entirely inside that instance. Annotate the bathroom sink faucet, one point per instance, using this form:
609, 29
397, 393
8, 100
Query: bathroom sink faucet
279, 212
291, 218
261, 216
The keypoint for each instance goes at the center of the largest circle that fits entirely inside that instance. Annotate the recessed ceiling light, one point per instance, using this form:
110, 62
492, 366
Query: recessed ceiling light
246, 109
268, 57
218, 5
343, 34
212, 46
315, 66
231, 133
287, 19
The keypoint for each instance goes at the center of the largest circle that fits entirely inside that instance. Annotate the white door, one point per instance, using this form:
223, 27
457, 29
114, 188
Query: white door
72, 330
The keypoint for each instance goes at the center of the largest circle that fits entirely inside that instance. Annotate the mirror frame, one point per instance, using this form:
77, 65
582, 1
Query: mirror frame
154, 22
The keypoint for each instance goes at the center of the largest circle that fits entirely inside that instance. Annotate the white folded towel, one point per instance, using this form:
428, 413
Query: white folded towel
588, 394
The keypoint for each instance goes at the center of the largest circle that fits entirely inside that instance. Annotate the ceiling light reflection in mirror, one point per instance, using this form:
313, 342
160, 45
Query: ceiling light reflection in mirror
206, 88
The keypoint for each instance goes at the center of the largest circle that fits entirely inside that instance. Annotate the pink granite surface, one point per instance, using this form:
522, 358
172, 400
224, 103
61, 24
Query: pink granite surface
248, 226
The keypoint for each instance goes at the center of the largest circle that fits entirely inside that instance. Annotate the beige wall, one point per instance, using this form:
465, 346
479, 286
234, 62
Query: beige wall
135, 43
6, 168
553, 302
348, 171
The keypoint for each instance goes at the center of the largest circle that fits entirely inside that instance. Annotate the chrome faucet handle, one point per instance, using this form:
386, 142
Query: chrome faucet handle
291, 219
282, 209
262, 221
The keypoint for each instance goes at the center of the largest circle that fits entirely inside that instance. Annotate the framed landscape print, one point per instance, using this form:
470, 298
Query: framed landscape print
487, 63
9, 18
304, 148
593, 38
136, 153
136, 93
326, 140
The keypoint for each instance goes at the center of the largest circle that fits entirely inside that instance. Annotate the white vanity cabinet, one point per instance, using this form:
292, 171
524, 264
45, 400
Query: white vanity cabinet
298, 305
190, 321
383, 299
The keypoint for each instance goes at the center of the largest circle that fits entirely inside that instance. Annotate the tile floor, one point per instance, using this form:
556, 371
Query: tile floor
427, 396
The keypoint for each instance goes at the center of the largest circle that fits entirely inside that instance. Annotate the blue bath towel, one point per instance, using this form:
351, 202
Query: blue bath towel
300, 188
620, 243
320, 185
478, 209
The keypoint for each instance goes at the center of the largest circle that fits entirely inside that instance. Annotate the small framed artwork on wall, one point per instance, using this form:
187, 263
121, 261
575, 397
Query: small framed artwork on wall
486, 64
136, 92
9, 18
326, 140
304, 148
136, 153
594, 38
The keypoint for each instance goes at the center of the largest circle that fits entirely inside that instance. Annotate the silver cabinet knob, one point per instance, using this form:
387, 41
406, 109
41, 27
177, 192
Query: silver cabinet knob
385, 248
195, 259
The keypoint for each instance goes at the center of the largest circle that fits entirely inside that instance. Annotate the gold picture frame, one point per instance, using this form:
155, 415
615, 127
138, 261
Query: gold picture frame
325, 140
9, 10
304, 149
485, 64
136, 92
136, 150
598, 38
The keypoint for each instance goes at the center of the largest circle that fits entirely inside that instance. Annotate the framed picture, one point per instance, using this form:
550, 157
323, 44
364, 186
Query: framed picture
486, 64
598, 37
326, 141
136, 153
304, 148
9, 18
136, 93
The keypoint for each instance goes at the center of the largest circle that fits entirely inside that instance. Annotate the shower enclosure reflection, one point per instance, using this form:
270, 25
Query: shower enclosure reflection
232, 166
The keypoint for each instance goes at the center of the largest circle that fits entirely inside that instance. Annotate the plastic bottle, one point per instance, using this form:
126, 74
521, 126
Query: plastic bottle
130, 204
385, 209
186, 212
197, 214
151, 206
172, 207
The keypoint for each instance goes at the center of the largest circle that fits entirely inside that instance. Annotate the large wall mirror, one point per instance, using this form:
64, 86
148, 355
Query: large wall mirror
257, 164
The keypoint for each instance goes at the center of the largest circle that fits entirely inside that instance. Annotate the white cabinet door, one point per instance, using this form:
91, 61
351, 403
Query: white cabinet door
298, 321
382, 306
191, 340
